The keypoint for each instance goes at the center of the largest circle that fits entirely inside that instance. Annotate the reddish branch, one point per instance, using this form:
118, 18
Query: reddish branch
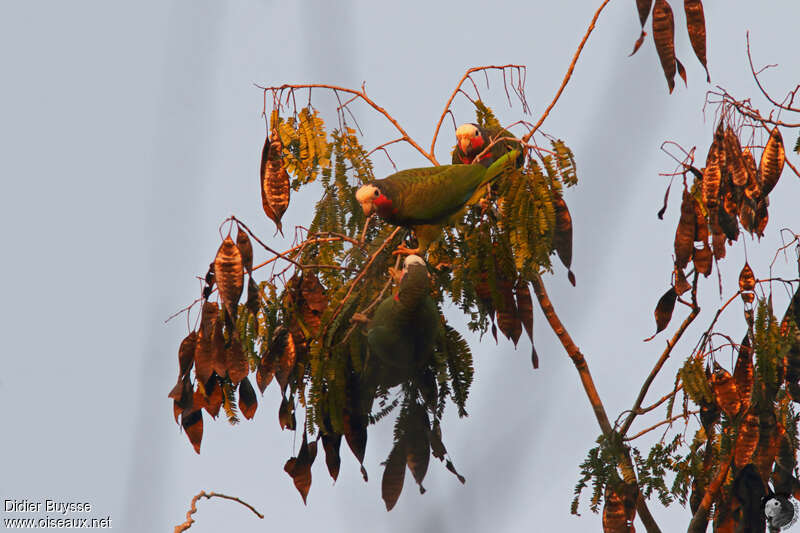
467, 75
203, 494
568, 75
591, 391
358, 94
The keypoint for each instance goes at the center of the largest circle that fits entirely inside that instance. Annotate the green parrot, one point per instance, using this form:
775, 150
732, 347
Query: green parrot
471, 140
425, 199
403, 331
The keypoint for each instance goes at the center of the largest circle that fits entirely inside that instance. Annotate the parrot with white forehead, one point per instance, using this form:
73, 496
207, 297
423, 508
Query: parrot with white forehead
471, 140
403, 331
425, 199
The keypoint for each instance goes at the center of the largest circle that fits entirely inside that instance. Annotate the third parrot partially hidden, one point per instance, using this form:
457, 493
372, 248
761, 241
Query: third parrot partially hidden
472, 139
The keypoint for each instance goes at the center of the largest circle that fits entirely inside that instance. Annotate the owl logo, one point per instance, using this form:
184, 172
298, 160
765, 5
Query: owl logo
781, 512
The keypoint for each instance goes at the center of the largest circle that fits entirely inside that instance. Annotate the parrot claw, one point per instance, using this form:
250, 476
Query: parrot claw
360, 318
396, 274
405, 250
442, 266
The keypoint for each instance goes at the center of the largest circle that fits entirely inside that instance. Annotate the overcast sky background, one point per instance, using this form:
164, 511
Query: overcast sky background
131, 130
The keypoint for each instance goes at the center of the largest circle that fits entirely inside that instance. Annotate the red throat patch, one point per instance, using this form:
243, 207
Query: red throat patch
383, 205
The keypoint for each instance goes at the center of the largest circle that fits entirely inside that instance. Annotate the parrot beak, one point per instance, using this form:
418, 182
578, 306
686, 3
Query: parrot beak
368, 208
464, 143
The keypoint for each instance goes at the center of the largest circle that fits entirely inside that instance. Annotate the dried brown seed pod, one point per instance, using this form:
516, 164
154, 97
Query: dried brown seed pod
664, 37
772, 160
229, 274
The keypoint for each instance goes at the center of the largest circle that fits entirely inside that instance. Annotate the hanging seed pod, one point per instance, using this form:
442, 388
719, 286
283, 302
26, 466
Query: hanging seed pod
286, 362
394, 474
684, 234
772, 160
717, 240
355, 433
747, 217
208, 319
236, 361
203, 358
702, 260
331, 444
664, 37
643, 7
245, 248
508, 317
752, 188
747, 281
701, 224
681, 285
725, 393
729, 225
664, 308
215, 398
761, 216
186, 353
229, 275
192, 423
743, 373
275, 188
712, 175
768, 446
218, 349
696, 24
299, 469
734, 158
418, 449
747, 440
562, 236
247, 399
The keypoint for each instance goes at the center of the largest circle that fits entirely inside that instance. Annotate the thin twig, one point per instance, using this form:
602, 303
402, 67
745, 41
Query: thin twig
654, 426
360, 94
203, 494
568, 75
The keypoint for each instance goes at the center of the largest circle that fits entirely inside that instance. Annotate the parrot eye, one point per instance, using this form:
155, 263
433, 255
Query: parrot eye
377, 193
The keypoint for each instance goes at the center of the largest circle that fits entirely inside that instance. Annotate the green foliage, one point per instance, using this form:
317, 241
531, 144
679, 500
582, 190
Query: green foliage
304, 144
693, 376
599, 467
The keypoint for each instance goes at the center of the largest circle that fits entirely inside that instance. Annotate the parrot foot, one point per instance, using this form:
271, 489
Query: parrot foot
396, 274
405, 250
442, 266
360, 318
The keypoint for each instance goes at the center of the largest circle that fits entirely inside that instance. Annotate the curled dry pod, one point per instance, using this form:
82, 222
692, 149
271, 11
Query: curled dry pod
186, 353
664, 308
734, 158
229, 275
508, 318
747, 281
725, 392
743, 372
696, 24
245, 248
247, 399
712, 176
331, 444
684, 234
701, 224
275, 188
747, 440
702, 259
761, 216
772, 160
215, 398
562, 236
394, 474
664, 37
236, 361
752, 189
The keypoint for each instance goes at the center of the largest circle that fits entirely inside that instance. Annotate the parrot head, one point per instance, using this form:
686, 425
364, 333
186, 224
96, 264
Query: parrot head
471, 140
372, 199
412, 260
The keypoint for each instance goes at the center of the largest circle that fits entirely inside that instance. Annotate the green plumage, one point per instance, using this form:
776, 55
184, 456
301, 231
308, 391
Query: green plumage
403, 331
496, 151
425, 199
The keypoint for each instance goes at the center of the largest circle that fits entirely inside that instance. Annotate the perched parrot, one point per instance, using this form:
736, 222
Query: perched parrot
471, 139
403, 331
425, 199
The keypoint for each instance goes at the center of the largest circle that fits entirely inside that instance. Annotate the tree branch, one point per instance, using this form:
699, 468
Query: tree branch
203, 494
568, 75
363, 95
591, 391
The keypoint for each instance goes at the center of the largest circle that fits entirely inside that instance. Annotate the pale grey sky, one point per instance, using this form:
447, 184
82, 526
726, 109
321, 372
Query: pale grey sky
131, 130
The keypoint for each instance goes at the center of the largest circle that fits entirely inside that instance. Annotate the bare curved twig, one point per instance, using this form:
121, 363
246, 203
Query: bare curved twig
203, 494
